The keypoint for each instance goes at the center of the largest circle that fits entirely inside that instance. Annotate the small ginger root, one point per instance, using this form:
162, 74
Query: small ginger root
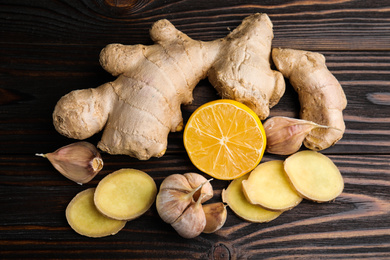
84, 218
141, 107
285, 135
79, 162
314, 176
321, 96
269, 187
125, 194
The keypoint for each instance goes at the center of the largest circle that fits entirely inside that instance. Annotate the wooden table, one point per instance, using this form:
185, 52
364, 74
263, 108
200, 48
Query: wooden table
48, 48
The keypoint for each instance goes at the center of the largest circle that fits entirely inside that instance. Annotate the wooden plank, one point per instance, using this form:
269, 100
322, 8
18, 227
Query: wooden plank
311, 25
356, 223
48, 48
364, 76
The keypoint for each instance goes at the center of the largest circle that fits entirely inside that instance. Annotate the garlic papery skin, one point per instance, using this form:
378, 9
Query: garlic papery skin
179, 202
79, 162
171, 204
195, 180
216, 215
192, 222
285, 135
174, 196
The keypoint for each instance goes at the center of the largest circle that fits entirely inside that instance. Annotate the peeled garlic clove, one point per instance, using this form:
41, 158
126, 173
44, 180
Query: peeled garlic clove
192, 222
216, 215
79, 162
195, 180
285, 135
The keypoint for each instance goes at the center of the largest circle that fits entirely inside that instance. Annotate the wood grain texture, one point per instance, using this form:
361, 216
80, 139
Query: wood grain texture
48, 48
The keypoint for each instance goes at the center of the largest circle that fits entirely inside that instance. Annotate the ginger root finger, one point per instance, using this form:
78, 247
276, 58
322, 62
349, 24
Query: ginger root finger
139, 109
244, 74
321, 96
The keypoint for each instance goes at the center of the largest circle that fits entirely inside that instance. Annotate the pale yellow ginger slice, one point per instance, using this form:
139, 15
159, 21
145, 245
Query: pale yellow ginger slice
269, 187
235, 199
125, 194
84, 218
314, 176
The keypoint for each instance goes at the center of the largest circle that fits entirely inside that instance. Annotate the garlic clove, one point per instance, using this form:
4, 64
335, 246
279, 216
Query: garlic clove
171, 204
216, 215
192, 222
178, 191
173, 198
177, 182
79, 162
285, 135
195, 180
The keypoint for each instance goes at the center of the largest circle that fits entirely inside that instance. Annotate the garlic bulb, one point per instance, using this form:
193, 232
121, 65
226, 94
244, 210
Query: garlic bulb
79, 162
179, 202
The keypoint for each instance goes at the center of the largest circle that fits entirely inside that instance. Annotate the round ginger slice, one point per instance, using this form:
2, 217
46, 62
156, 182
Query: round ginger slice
85, 219
269, 187
125, 194
225, 139
314, 176
235, 199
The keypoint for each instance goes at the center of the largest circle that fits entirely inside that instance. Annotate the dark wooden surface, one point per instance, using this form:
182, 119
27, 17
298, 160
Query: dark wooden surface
48, 48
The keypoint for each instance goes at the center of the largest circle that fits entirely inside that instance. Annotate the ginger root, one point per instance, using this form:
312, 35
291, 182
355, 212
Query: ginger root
321, 96
141, 107
314, 176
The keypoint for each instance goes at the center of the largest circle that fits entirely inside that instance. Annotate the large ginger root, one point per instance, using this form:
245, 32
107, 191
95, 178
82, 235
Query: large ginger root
321, 96
141, 107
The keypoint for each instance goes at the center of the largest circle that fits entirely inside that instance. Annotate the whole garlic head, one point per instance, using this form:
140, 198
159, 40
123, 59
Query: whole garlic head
179, 202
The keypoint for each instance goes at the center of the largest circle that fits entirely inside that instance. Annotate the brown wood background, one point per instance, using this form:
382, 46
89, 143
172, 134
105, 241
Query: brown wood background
48, 48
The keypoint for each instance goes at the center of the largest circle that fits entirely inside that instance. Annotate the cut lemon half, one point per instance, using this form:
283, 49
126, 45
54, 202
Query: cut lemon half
225, 139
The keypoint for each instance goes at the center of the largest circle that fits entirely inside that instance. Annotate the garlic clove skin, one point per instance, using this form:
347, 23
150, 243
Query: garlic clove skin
175, 195
171, 204
285, 135
195, 180
173, 198
192, 222
216, 215
79, 162
177, 182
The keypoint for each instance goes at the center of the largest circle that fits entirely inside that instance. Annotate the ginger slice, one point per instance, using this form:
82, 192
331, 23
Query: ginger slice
85, 219
269, 187
125, 194
314, 176
235, 199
